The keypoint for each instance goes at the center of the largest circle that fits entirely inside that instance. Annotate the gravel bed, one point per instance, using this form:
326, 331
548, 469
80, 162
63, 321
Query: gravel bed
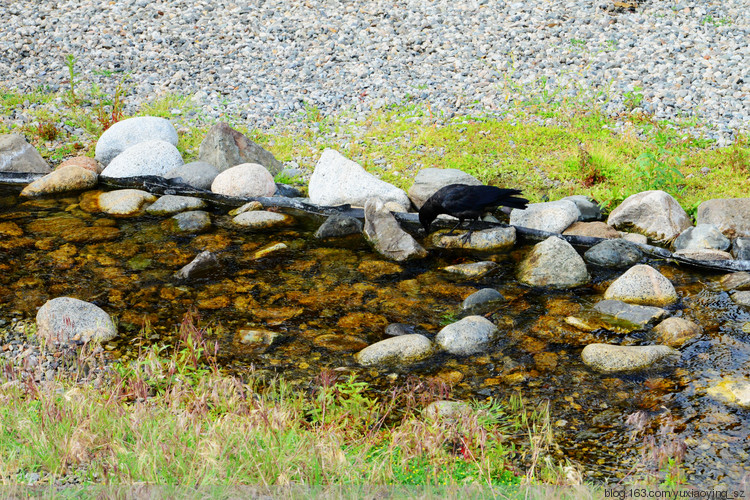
270, 61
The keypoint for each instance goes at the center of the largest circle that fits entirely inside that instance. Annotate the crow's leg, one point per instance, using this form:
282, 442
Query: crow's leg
460, 221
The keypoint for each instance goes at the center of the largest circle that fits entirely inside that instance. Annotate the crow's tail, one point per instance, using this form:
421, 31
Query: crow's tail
508, 200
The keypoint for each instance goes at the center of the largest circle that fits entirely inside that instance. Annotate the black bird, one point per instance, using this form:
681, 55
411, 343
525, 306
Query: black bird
467, 202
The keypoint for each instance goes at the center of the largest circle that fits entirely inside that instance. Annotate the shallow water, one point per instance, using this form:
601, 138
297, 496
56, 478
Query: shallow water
327, 300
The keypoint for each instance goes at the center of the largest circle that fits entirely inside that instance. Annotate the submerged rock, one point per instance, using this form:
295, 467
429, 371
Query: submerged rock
383, 231
730, 215
172, 204
66, 319
655, 214
741, 298
736, 281
204, 264
481, 298
126, 133
675, 332
224, 148
471, 270
607, 358
429, 180
399, 350
337, 226
613, 254
490, 240
628, 316
18, 156
193, 221
398, 329
552, 216
469, 335
125, 201
733, 392
69, 178
337, 180
262, 219
553, 263
644, 285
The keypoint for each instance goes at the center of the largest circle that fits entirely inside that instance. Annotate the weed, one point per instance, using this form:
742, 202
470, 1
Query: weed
70, 62
715, 21
633, 98
110, 111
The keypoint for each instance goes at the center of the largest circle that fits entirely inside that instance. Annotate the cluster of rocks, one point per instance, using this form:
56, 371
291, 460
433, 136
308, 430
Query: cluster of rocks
232, 165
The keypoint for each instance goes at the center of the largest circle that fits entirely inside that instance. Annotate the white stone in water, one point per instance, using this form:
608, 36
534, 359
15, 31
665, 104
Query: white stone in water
606, 358
469, 335
396, 350
124, 201
644, 285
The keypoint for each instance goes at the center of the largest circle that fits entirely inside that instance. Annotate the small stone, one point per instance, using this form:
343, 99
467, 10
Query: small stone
675, 332
606, 358
471, 270
482, 297
469, 335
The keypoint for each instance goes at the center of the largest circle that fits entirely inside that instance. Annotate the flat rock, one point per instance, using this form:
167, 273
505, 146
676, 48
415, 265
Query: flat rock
61, 180
224, 148
247, 180
337, 180
471, 269
199, 174
66, 319
429, 180
703, 254
733, 392
552, 216
193, 221
469, 335
398, 329
641, 239
741, 298
337, 226
553, 263
736, 281
590, 211
172, 204
125, 201
655, 214
145, 158
262, 219
204, 264
481, 298
595, 229
628, 316
404, 349
384, 233
607, 358
83, 162
614, 254
126, 133
250, 206
730, 215
18, 156
490, 240
675, 332
701, 237
644, 285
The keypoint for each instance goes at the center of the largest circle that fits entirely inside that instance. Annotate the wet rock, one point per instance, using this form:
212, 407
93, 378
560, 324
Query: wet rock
613, 254
730, 215
596, 229
337, 226
172, 204
404, 349
18, 156
644, 285
287, 191
552, 216
145, 158
268, 250
247, 180
741, 298
83, 162
193, 221
469, 335
471, 270
224, 147
447, 410
481, 298
490, 240
10, 229
733, 392
702, 236
675, 332
375, 269
607, 358
262, 219
199, 174
126, 133
69, 178
204, 264
124, 201
340, 343
65, 319
250, 206
398, 329
703, 254
553, 263
429, 180
736, 281
337, 180
256, 339
741, 248
383, 231
655, 214
630, 317
590, 211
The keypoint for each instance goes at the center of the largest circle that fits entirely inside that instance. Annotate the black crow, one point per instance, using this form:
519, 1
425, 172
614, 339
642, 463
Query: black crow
467, 202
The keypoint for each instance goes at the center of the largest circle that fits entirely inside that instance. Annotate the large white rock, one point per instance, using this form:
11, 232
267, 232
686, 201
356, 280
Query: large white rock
553, 263
396, 350
470, 335
247, 180
338, 181
145, 158
730, 215
552, 216
130, 132
65, 319
655, 214
125, 201
607, 358
644, 285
